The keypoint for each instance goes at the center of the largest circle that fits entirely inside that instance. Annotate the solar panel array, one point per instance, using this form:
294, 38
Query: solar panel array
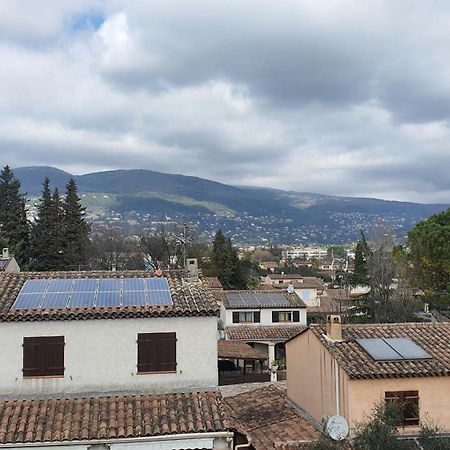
256, 299
393, 349
3, 263
58, 293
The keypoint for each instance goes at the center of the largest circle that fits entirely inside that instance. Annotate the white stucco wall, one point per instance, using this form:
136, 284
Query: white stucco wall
309, 296
266, 317
101, 355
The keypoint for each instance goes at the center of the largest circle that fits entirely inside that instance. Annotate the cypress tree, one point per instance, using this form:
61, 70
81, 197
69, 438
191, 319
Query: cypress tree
360, 275
47, 231
14, 226
76, 229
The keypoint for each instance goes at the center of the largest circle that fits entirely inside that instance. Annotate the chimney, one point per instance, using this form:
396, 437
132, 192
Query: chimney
191, 269
5, 253
334, 327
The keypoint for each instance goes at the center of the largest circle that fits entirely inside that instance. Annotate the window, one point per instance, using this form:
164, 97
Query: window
246, 317
409, 405
285, 316
157, 352
43, 356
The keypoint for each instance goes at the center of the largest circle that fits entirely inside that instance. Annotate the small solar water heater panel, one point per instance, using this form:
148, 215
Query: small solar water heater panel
82, 300
27, 301
55, 300
85, 285
379, 350
3, 263
134, 284
60, 285
407, 348
157, 284
109, 284
134, 298
107, 299
159, 298
34, 286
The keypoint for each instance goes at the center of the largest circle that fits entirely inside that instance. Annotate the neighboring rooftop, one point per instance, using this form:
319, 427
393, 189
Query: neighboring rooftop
238, 350
213, 283
260, 299
186, 299
263, 333
433, 338
268, 419
109, 418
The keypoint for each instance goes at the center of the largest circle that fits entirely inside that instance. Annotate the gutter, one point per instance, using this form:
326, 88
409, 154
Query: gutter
166, 437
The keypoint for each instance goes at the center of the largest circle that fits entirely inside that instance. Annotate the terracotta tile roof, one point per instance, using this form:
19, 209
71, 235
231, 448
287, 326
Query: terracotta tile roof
284, 276
239, 350
304, 283
100, 418
268, 419
293, 300
263, 333
213, 283
434, 338
188, 299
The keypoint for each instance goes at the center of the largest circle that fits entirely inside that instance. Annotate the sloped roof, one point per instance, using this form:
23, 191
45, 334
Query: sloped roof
238, 350
268, 419
292, 300
434, 338
213, 282
188, 299
263, 333
105, 418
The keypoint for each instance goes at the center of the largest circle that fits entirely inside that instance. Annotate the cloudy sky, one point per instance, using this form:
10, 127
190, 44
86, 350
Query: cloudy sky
321, 96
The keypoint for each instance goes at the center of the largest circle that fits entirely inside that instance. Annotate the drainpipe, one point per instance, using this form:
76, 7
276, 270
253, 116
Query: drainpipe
247, 445
337, 386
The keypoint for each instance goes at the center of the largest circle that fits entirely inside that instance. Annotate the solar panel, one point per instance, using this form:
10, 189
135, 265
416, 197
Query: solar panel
393, 349
60, 285
81, 300
34, 286
107, 299
109, 284
134, 298
234, 299
407, 348
3, 263
27, 301
85, 285
159, 298
157, 284
379, 350
55, 300
133, 284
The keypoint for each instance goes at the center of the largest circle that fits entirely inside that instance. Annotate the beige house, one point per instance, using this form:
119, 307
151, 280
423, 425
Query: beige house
346, 370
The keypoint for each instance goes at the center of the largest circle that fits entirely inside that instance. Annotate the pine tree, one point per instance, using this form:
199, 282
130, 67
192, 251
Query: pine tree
76, 229
14, 226
47, 231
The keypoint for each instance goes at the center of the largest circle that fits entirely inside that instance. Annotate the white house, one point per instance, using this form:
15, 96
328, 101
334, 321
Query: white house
307, 288
121, 358
264, 318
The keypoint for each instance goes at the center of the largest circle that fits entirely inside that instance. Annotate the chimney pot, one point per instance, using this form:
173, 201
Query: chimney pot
5, 253
334, 327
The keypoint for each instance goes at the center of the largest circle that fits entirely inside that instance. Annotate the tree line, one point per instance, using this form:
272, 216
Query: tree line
58, 239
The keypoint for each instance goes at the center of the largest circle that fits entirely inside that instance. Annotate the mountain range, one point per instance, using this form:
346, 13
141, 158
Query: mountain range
248, 214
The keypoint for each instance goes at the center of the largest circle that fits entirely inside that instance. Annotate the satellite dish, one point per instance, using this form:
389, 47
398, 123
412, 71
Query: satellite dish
337, 428
290, 289
359, 291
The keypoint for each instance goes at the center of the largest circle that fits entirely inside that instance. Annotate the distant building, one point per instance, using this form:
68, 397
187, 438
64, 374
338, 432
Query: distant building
305, 253
347, 369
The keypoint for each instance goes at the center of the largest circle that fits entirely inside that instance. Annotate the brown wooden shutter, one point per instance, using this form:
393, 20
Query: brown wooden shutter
32, 357
43, 356
235, 317
54, 355
157, 352
275, 316
257, 317
295, 316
